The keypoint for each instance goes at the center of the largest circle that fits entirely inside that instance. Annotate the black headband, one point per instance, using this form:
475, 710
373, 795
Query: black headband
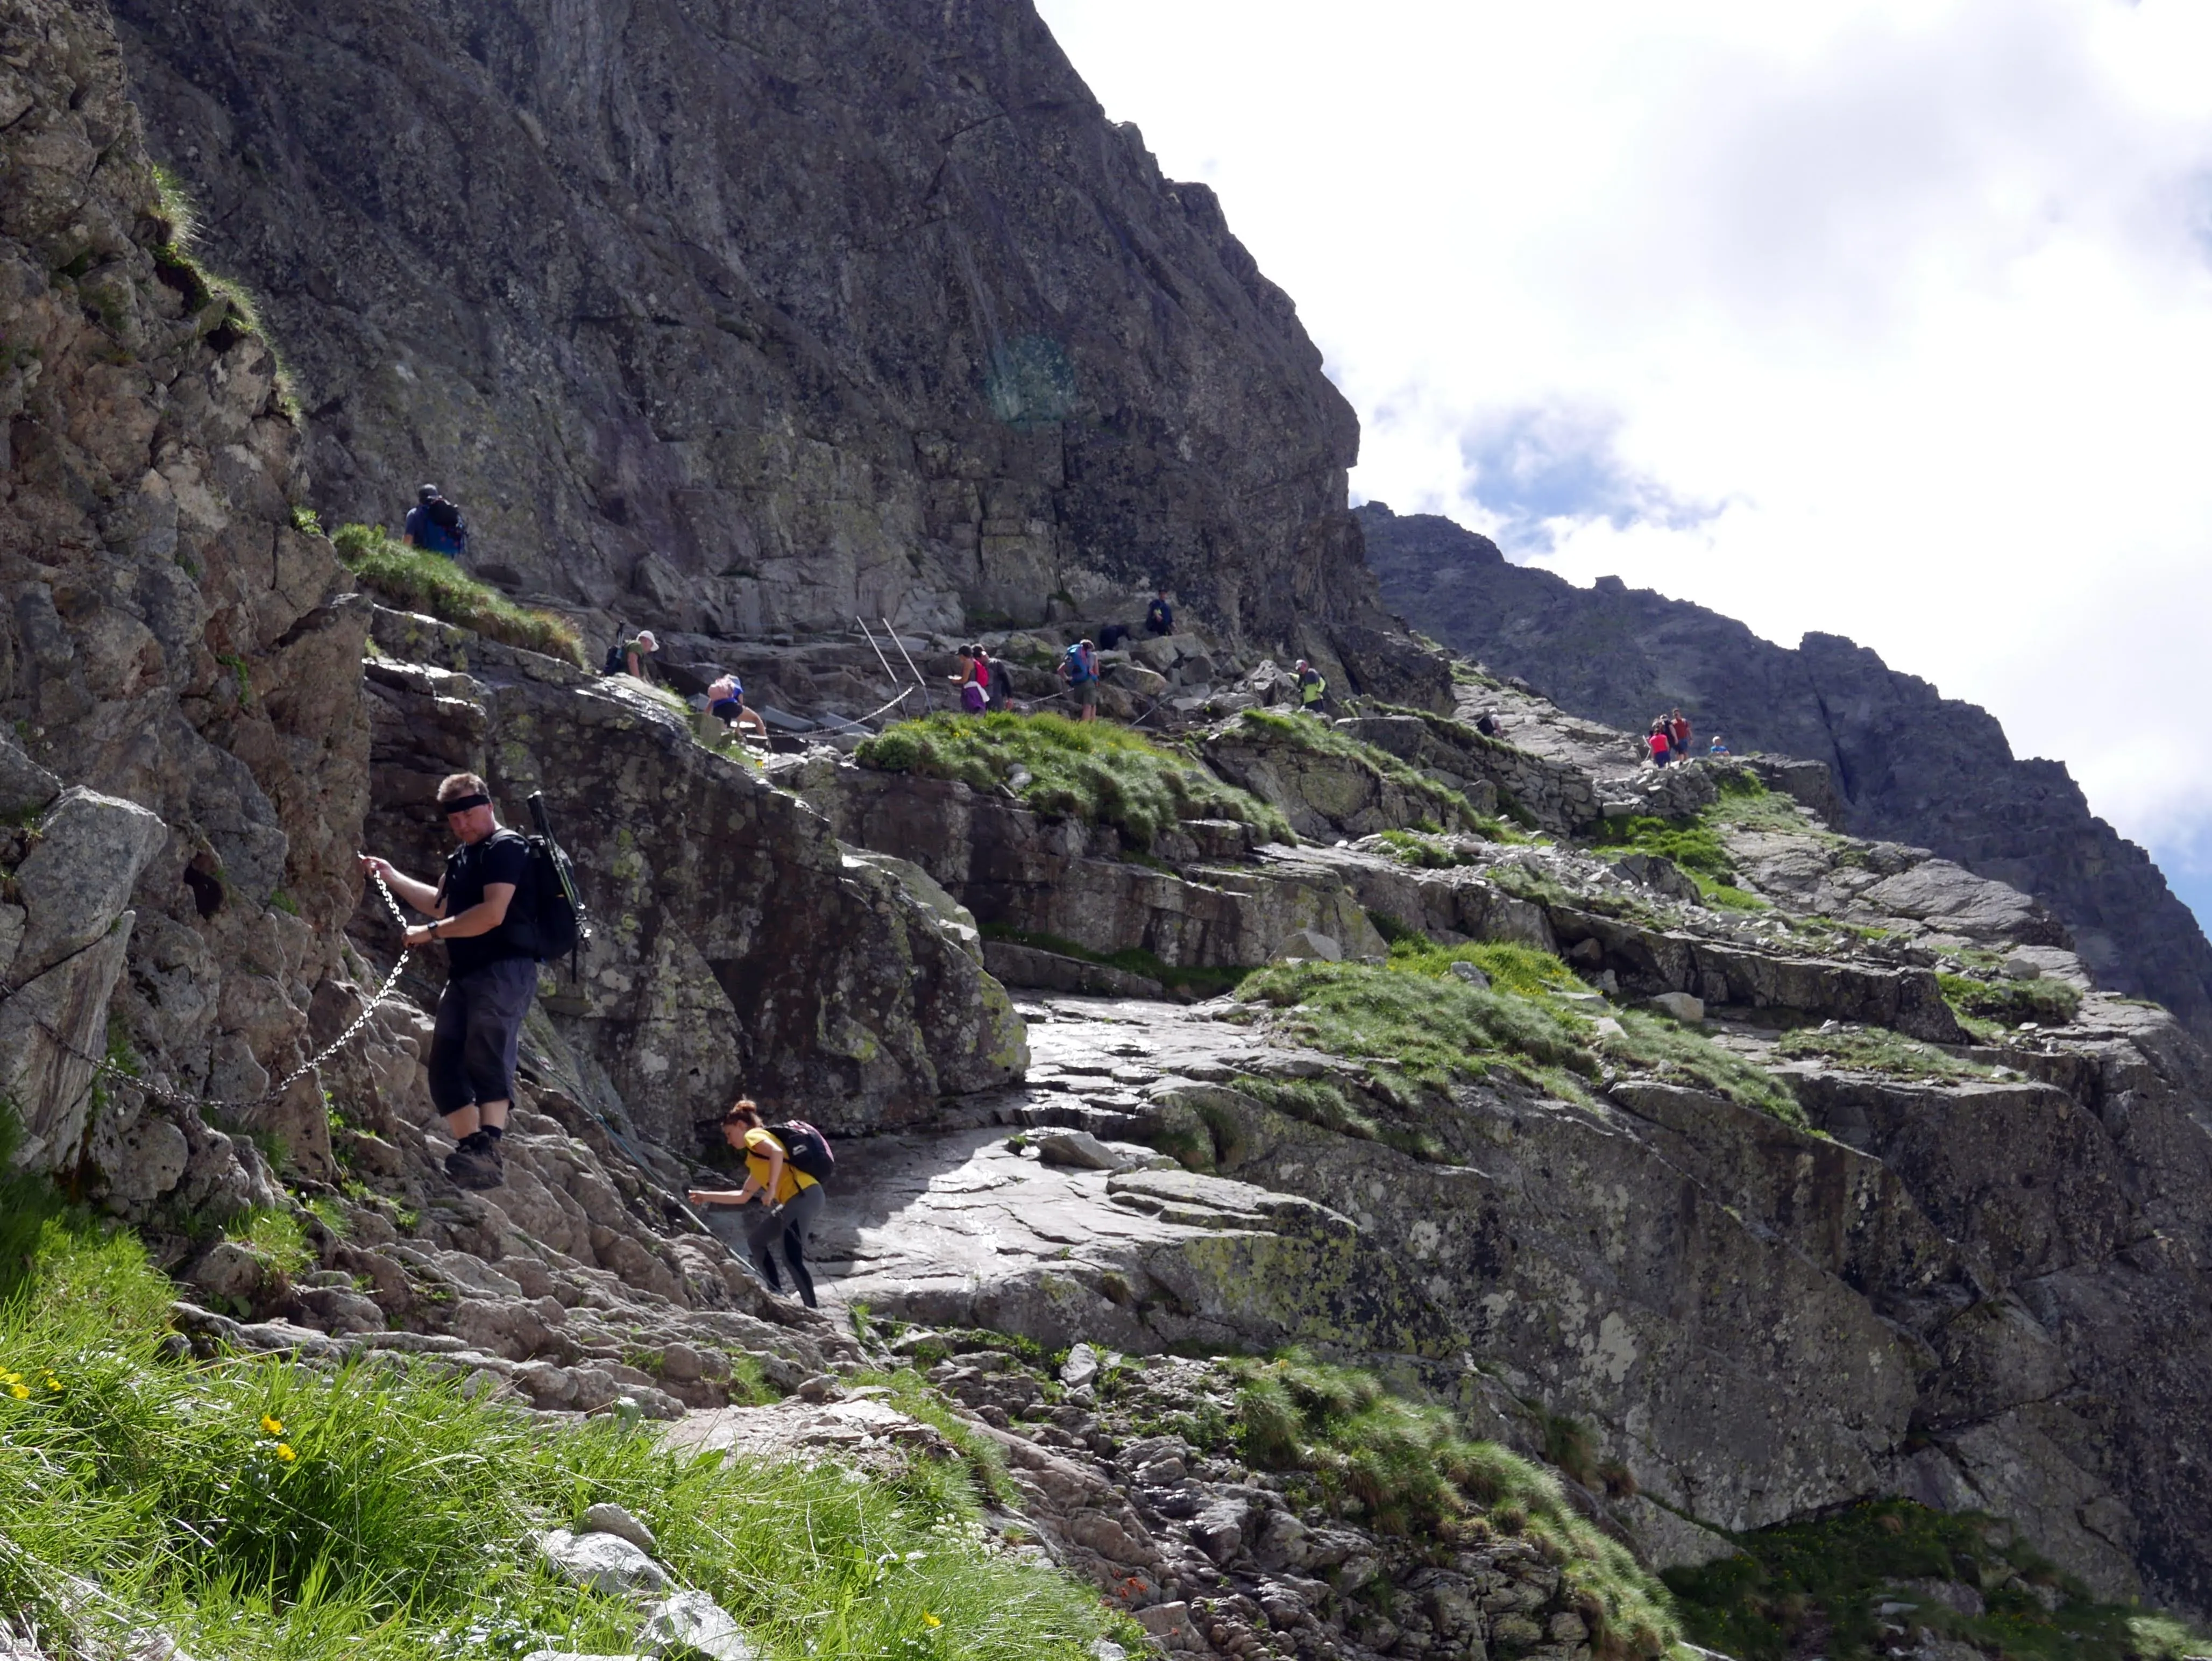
463, 803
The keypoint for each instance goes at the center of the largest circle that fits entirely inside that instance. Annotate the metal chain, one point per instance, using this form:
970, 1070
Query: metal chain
179, 1099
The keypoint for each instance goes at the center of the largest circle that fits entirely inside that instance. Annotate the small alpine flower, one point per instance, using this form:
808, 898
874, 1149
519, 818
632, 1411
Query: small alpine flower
284, 1452
21, 1392
930, 1620
272, 1426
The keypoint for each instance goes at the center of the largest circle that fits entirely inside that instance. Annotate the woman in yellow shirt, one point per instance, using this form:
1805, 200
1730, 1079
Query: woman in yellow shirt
791, 1200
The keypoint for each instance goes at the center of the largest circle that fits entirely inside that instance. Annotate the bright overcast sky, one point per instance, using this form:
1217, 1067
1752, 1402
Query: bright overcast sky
1890, 321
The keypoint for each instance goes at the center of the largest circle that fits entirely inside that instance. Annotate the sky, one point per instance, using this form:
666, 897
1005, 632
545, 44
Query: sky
1888, 320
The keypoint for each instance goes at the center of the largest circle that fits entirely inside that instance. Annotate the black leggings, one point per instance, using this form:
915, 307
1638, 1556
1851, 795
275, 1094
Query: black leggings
794, 1220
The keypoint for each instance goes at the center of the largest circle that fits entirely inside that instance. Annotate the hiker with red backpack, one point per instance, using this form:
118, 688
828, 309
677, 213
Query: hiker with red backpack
785, 1166
974, 679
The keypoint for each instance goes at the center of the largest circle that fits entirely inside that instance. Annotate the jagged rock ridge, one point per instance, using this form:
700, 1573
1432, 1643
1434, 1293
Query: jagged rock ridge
1915, 766
755, 317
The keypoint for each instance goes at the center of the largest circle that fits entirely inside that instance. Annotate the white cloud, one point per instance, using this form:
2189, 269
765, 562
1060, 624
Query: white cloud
1888, 319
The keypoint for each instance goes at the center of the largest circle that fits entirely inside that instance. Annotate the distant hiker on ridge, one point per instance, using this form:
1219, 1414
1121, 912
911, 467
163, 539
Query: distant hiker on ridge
726, 702
1660, 743
1159, 616
1079, 667
1678, 735
974, 679
435, 525
1313, 689
632, 657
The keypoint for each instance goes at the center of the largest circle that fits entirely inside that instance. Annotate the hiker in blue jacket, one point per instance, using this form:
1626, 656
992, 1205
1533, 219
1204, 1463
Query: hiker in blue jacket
435, 525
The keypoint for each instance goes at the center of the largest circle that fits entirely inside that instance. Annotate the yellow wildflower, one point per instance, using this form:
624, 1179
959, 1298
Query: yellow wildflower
284, 1452
274, 1426
20, 1393
931, 1620
52, 1383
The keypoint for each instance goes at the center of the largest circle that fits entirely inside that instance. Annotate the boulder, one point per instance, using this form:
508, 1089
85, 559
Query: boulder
1305, 943
1473, 976
607, 1518
604, 1562
1684, 1007
1077, 1147
76, 881
691, 1622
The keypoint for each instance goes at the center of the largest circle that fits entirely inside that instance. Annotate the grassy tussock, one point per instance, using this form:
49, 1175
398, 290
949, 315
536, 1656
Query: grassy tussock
2009, 1003
260, 1509
1875, 1050
1093, 771
433, 584
1402, 1467
1820, 1583
1421, 1028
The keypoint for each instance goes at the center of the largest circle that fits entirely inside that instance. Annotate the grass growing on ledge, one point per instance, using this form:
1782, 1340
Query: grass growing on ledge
1821, 1583
259, 1509
1093, 771
2009, 1003
1877, 1050
432, 583
1403, 1467
1420, 1027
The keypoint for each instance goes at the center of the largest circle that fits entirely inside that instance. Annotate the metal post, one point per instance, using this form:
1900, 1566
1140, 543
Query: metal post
926, 705
889, 679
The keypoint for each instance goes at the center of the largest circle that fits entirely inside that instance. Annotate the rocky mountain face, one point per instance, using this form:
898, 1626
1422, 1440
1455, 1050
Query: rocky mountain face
1782, 1166
754, 317
1915, 766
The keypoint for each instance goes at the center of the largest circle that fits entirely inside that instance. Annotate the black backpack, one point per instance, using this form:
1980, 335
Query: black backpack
806, 1150
554, 916
615, 653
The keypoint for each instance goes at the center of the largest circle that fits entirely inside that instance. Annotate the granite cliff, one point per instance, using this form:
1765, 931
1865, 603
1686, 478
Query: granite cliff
750, 318
1915, 766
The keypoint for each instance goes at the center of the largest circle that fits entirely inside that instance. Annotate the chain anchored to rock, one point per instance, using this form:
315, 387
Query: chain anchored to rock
179, 1099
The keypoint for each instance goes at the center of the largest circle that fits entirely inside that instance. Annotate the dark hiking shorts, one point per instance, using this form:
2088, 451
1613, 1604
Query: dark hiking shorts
479, 1028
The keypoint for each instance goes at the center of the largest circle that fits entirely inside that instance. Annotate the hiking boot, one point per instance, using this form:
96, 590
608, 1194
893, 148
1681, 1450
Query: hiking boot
474, 1163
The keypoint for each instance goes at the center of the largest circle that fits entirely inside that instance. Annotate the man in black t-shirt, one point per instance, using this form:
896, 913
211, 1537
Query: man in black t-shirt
492, 974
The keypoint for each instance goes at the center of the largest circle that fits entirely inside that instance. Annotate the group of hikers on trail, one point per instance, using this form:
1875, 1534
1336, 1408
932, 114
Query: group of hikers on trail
1669, 741
489, 910
982, 683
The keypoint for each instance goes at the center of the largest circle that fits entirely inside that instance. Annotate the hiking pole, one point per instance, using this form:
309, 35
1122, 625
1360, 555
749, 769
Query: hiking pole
926, 704
878, 650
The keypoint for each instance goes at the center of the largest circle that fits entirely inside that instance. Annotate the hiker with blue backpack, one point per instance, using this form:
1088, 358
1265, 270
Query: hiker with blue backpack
1079, 667
435, 525
498, 911
785, 1167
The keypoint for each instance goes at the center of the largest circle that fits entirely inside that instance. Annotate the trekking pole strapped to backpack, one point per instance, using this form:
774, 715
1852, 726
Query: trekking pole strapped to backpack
563, 923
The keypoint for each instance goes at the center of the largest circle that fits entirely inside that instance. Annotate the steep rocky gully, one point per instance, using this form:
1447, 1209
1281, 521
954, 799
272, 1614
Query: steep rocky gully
1733, 1169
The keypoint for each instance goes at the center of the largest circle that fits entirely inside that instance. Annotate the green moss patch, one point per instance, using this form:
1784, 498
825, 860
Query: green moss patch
1877, 1050
257, 1508
1092, 771
1419, 1027
2009, 1003
1823, 1585
432, 583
